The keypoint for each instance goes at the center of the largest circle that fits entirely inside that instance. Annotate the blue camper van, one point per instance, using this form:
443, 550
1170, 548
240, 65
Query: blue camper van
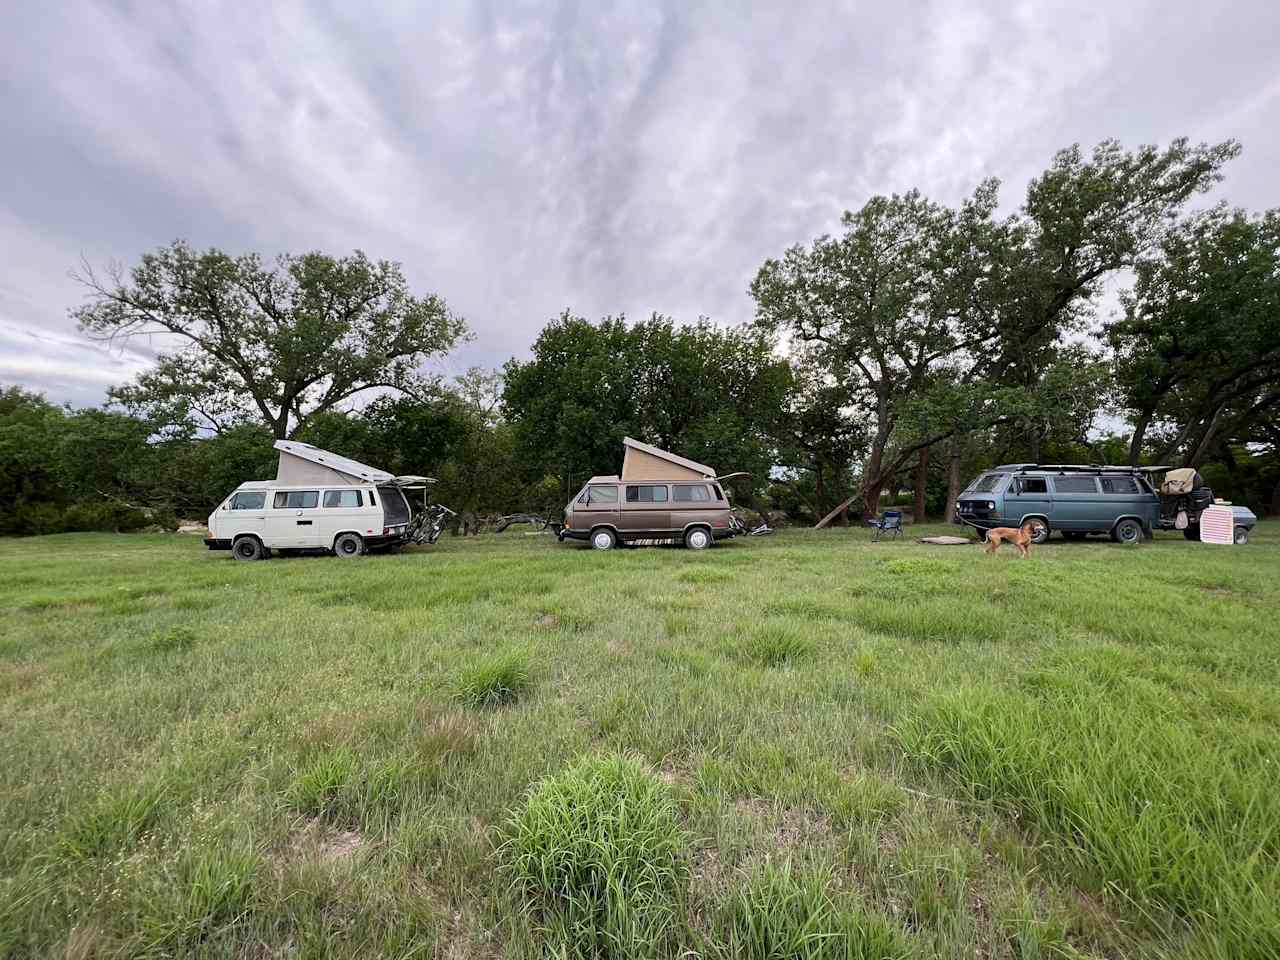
1079, 500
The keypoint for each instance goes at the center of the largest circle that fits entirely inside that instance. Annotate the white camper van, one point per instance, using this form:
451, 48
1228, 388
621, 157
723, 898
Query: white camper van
318, 501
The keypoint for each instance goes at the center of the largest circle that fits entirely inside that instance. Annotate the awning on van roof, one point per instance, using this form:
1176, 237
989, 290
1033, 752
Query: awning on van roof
411, 482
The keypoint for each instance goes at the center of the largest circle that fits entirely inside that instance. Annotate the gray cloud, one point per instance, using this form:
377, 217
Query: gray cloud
520, 158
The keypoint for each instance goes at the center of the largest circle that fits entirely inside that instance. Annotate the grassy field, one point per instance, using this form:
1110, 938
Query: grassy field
808, 745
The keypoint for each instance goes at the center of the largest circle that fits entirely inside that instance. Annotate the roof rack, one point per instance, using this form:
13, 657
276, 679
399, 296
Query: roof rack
1088, 468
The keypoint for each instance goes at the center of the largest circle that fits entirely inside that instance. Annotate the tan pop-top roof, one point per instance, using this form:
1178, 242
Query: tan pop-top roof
657, 453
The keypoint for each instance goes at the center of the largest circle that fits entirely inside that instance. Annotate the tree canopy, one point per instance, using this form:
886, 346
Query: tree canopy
280, 343
919, 342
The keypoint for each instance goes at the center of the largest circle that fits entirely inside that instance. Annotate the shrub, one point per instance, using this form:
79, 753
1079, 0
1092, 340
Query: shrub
775, 915
494, 682
596, 860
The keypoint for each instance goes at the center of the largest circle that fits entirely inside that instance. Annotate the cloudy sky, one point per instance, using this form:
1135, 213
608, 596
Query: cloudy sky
521, 158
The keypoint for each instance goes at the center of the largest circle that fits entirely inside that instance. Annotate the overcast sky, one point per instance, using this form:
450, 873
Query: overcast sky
521, 158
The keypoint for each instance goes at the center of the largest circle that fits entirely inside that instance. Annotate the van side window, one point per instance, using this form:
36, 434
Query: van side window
1075, 485
296, 499
342, 498
719, 492
372, 501
248, 501
690, 494
647, 494
1032, 485
600, 493
1122, 485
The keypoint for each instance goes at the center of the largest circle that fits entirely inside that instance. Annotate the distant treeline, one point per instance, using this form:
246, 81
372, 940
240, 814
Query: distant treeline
916, 347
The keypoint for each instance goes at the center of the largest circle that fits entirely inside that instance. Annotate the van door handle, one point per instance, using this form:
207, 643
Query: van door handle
304, 523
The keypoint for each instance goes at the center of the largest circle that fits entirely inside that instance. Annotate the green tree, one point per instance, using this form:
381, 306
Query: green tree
897, 301
715, 395
277, 343
1197, 350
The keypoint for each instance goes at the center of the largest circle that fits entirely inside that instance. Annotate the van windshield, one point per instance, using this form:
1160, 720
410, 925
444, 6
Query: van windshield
987, 482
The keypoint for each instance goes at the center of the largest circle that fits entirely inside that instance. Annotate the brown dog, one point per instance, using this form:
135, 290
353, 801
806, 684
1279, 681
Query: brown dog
1020, 537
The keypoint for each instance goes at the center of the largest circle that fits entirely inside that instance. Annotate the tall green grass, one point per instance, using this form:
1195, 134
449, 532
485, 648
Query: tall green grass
1148, 805
807, 744
775, 914
597, 862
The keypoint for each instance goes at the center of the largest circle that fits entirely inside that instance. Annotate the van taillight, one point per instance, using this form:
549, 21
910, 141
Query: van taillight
385, 531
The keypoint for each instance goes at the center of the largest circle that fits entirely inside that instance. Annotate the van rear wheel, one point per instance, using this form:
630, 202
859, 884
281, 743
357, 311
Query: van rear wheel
348, 545
247, 548
697, 539
603, 539
1192, 532
1127, 531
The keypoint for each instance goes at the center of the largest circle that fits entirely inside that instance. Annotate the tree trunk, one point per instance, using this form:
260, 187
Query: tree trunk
1275, 500
953, 479
922, 477
1035, 444
872, 482
1135, 442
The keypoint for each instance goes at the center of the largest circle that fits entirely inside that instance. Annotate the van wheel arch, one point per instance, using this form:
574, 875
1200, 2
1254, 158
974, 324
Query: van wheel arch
603, 538
1127, 524
348, 545
706, 539
248, 546
1042, 521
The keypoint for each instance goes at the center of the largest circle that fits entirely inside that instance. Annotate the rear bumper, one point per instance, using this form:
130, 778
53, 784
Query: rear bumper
213, 543
567, 534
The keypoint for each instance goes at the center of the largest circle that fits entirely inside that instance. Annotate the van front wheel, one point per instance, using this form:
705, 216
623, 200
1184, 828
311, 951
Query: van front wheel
1039, 530
247, 548
348, 545
603, 539
697, 539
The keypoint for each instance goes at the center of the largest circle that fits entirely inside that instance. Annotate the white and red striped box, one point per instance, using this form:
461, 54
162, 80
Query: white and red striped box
1217, 525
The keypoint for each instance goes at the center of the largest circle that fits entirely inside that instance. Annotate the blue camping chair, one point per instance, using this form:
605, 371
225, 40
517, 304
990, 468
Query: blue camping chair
889, 523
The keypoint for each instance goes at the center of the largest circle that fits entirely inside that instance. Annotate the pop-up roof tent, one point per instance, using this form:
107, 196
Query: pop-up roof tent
303, 463
640, 461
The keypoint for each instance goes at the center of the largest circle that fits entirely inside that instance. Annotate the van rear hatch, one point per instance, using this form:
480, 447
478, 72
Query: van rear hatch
395, 508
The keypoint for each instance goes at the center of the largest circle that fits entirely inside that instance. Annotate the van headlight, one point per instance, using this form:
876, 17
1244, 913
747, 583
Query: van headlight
991, 505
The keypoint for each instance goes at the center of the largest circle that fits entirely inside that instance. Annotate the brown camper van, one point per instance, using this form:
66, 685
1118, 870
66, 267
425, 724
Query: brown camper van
658, 497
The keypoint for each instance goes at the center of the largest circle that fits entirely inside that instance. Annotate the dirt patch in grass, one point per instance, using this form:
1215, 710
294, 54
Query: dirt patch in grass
318, 842
16, 677
618, 647
789, 828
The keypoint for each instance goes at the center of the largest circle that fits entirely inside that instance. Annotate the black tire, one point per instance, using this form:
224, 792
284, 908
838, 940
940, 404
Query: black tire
248, 548
1127, 531
1192, 532
348, 545
1241, 536
699, 538
1039, 530
603, 538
